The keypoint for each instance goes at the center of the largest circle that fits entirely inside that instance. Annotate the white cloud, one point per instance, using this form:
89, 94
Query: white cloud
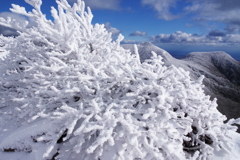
6, 31
226, 11
162, 7
127, 41
138, 33
20, 19
232, 28
213, 38
10, 30
101, 4
111, 29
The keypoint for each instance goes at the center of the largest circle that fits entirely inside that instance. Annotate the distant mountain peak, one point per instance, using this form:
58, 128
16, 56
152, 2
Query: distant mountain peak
219, 57
210, 54
145, 52
146, 43
221, 71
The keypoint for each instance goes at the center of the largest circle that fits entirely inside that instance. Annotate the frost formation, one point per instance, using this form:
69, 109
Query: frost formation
69, 91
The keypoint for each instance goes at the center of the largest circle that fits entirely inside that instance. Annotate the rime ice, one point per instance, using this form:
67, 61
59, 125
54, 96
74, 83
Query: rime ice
68, 91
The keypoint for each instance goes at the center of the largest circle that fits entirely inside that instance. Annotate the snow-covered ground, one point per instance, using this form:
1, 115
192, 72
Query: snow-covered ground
69, 92
234, 153
9, 132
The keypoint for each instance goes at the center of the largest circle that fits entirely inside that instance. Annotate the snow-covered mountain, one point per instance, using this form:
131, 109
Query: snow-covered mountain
221, 71
70, 92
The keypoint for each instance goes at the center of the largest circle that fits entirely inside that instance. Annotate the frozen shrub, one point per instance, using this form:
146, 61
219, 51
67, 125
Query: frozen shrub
73, 93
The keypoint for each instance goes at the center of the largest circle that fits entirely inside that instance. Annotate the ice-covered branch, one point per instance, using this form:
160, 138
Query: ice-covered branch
67, 87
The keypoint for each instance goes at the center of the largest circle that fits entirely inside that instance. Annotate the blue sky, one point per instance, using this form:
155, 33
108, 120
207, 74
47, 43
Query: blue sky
179, 26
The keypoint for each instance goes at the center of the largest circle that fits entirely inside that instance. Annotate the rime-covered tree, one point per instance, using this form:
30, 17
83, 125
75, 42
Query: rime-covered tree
69, 92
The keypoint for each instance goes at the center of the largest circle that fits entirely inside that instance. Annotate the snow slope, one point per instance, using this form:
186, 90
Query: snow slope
222, 74
69, 92
145, 50
221, 71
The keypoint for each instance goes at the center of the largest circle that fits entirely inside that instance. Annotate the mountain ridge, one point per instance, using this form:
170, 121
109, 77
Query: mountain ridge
221, 71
